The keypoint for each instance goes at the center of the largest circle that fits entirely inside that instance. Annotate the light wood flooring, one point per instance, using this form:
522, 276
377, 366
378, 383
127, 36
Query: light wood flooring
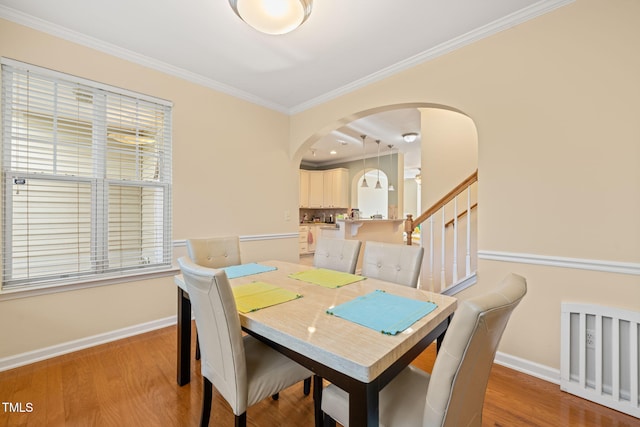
132, 382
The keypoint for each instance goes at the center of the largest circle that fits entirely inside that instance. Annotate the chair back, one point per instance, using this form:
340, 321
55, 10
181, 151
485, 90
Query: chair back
460, 374
337, 254
215, 252
219, 332
393, 262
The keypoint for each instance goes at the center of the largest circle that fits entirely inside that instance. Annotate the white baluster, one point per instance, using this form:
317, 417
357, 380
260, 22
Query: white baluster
443, 276
431, 257
468, 258
455, 240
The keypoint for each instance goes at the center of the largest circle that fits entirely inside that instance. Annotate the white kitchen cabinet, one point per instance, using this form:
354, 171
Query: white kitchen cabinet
324, 189
336, 188
316, 189
303, 236
304, 188
308, 237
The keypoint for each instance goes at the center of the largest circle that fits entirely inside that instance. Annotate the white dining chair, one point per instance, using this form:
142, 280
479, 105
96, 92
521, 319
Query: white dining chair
393, 262
241, 368
218, 252
215, 252
337, 254
453, 395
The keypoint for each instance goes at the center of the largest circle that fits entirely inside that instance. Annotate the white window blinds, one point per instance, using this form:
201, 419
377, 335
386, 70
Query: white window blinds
86, 172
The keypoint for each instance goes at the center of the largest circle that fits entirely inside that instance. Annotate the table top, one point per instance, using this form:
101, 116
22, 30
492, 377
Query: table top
304, 326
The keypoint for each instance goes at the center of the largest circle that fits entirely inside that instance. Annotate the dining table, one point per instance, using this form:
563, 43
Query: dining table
356, 358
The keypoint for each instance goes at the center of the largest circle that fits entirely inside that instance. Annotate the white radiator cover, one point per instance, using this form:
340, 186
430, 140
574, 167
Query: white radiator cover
599, 355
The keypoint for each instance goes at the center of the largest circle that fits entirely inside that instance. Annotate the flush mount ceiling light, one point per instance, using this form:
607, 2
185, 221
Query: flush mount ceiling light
410, 137
273, 16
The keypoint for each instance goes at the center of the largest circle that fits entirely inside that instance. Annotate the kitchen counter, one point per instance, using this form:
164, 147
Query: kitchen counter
382, 230
377, 230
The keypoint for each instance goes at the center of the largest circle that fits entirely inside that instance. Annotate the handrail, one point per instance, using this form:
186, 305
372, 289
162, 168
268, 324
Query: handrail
410, 224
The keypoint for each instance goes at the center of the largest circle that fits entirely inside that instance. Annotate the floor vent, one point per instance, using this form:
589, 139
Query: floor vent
599, 359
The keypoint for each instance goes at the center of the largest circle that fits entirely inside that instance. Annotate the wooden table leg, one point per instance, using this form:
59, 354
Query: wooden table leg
184, 338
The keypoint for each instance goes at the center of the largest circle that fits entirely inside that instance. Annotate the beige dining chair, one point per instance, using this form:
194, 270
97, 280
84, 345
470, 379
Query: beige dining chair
392, 262
337, 254
243, 369
215, 252
218, 252
453, 395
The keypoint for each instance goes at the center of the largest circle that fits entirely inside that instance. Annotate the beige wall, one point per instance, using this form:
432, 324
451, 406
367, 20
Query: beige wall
231, 175
555, 105
449, 152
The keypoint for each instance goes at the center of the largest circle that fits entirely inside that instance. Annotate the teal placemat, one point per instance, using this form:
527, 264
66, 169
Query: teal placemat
384, 312
236, 271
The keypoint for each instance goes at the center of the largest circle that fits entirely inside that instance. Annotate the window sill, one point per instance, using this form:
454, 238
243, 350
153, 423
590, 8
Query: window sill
32, 291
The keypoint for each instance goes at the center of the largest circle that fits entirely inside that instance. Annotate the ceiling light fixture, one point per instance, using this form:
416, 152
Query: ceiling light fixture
333, 152
273, 16
378, 186
409, 137
391, 168
364, 171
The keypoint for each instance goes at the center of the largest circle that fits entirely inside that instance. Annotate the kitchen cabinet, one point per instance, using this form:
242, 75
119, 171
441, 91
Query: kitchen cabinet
324, 189
308, 236
304, 188
316, 189
336, 188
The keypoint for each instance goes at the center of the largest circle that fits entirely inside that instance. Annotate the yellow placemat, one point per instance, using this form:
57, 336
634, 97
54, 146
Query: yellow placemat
257, 295
327, 278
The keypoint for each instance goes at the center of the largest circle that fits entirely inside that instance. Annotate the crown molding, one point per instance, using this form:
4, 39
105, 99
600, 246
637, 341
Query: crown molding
136, 58
504, 23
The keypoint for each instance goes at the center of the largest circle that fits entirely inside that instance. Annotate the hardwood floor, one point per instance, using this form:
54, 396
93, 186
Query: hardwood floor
132, 382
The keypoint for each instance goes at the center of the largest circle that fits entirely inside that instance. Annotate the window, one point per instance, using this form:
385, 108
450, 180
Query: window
86, 172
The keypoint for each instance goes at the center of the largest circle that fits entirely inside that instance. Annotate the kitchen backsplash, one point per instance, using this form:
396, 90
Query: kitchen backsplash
320, 215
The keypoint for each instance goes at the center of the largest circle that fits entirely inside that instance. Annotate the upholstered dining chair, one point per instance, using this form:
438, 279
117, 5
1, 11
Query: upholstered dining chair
337, 254
453, 395
243, 369
214, 252
393, 262
218, 252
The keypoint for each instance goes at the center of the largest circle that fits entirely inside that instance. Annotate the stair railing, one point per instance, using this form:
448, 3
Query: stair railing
410, 225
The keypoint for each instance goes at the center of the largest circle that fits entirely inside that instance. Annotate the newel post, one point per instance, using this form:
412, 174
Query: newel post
408, 227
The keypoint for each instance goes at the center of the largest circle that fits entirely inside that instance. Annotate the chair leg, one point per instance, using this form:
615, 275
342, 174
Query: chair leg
306, 389
328, 421
207, 396
197, 347
241, 420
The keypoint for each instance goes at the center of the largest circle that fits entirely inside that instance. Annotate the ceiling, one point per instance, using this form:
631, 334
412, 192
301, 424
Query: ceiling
343, 45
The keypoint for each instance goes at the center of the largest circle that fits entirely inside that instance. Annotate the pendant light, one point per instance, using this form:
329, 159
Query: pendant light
378, 186
391, 168
273, 16
364, 171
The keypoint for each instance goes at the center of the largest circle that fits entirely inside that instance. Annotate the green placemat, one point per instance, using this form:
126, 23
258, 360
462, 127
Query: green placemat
327, 278
257, 295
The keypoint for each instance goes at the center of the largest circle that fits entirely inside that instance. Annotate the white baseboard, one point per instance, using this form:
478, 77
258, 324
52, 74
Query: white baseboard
80, 344
527, 367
